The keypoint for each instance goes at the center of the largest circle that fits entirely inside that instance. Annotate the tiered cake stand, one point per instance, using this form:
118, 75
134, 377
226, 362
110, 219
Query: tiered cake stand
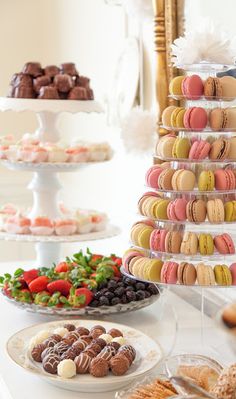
45, 184
204, 70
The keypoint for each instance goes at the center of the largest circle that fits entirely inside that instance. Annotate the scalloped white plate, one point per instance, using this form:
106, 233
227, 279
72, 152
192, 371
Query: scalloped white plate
36, 105
149, 354
47, 166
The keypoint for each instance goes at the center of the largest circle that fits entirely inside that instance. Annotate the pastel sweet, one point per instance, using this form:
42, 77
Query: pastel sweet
165, 179
196, 211
181, 148
144, 237
42, 226
187, 274
195, 118
64, 227
166, 115
199, 149
220, 149
176, 209
230, 211
157, 240
183, 180
224, 244
213, 88
177, 117
228, 87
206, 244
160, 211
215, 211
219, 119
173, 241
222, 275
231, 115
152, 176
154, 270
192, 87
169, 272
205, 275
233, 273
175, 87
189, 245
206, 181
165, 145
17, 224
224, 179
232, 150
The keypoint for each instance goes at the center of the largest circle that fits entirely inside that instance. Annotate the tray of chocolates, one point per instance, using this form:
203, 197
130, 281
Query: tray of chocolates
85, 355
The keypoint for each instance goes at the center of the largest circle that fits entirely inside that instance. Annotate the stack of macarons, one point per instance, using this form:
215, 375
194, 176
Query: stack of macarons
213, 88
193, 118
195, 210
172, 147
145, 235
169, 179
171, 272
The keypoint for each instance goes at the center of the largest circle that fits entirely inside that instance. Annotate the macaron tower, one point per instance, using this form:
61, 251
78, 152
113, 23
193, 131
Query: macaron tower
187, 234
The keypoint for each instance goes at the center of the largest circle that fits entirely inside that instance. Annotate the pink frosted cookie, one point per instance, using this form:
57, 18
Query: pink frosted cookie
176, 209
78, 154
224, 244
65, 227
199, 149
42, 226
152, 176
192, 87
169, 272
157, 240
17, 225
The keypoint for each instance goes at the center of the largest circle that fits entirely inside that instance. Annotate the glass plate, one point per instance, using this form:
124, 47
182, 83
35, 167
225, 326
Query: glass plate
201, 99
207, 161
206, 67
206, 130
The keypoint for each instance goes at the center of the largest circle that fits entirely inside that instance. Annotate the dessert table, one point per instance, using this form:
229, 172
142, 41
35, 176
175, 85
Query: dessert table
158, 321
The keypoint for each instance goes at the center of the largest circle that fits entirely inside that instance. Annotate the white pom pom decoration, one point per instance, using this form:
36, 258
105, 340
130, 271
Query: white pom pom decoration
138, 131
207, 43
139, 9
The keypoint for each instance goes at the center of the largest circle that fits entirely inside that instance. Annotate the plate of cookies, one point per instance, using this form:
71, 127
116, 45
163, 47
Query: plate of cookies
85, 355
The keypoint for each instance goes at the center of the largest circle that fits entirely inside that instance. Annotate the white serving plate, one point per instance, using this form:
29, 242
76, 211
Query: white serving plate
149, 354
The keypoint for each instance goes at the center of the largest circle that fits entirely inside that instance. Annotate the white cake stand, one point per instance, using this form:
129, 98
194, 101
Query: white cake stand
45, 184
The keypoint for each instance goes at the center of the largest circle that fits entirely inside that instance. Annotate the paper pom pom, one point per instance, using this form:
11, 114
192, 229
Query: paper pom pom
208, 43
138, 130
140, 9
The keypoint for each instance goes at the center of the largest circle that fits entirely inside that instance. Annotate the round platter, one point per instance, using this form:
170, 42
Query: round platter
206, 67
46, 166
215, 162
57, 106
193, 131
87, 311
149, 354
110, 231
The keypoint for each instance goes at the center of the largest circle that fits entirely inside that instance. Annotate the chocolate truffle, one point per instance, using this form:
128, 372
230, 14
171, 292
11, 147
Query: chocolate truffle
71, 353
99, 367
66, 369
23, 91
82, 81
119, 365
22, 79
79, 345
87, 338
82, 331
61, 347
78, 93
97, 348
96, 333
115, 345
40, 82
100, 342
51, 362
128, 351
33, 68
56, 337
70, 338
50, 342
63, 83
47, 351
90, 352
82, 363
69, 68
51, 71
115, 333
37, 352
69, 327
48, 93
107, 353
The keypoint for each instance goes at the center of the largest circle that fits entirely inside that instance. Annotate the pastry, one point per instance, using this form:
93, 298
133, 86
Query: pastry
219, 119
189, 244
65, 227
165, 179
63, 83
175, 86
173, 241
176, 209
205, 275
220, 149
169, 272
56, 154
79, 93
17, 225
166, 115
199, 149
48, 93
226, 384
177, 117
222, 275
42, 226
224, 179
228, 84
232, 150
158, 389
183, 180
160, 209
224, 244
69, 68
215, 211
152, 176
51, 71
186, 274
213, 88
165, 145
66, 368
192, 87
24, 92
157, 240
206, 181
233, 273
230, 211
181, 148
40, 82
82, 81
206, 244
32, 68
195, 118
196, 211
77, 154
203, 376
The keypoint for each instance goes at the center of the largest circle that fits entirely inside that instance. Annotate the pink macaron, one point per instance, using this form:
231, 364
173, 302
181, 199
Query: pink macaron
224, 244
195, 118
127, 258
176, 209
152, 176
199, 149
192, 87
169, 272
224, 179
157, 240
233, 273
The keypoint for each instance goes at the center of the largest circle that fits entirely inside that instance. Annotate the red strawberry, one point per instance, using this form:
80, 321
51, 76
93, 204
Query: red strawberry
96, 257
62, 286
84, 295
30, 275
39, 284
116, 271
7, 290
117, 260
21, 280
62, 267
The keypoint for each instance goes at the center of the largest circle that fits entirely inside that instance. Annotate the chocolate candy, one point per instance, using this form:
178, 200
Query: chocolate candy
56, 337
24, 92
50, 363
90, 352
100, 342
119, 365
82, 331
115, 333
96, 332
128, 351
69, 69
90, 95
61, 347
82, 81
99, 367
86, 338
95, 347
78, 93
69, 327
22, 79
82, 363
115, 345
107, 353
47, 351
33, 68
71, 353
11, 91
79, 345
50, 342
49, 93
70, 338
51, 71
99, 327
63, 83
37, 352
40, 82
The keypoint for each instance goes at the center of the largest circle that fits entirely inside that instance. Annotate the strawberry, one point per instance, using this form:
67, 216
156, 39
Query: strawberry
25, 295
7, 290
83, 297
39, 284
116, 271
95, 258
90, 284
22, 282
61, 286
62, 267
30, 275
116, 260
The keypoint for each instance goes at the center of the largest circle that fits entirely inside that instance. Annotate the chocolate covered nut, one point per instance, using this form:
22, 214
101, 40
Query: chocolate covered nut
90, 352
82, 81
63, 83
33, 68
24, 92
119, 365
69, 327
51, 362
82, 363
40, 82
77, 93
69, 69
37, 352
50, 342
48, 93
99, 367
51, 71
96, 332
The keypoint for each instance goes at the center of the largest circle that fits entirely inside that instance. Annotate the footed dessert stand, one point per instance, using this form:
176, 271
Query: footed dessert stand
45, 184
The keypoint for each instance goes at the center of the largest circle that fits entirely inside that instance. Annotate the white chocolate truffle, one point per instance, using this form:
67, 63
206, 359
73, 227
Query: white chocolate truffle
41, 336
119, 340
66, 368
106, 337
61, 331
